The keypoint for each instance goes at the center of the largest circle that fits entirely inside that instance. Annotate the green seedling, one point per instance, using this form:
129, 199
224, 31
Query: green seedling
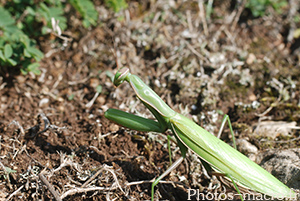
220, 156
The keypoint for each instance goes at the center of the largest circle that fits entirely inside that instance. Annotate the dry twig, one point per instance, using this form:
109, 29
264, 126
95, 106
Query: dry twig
50, 187
84, 190
14, 193
202, 16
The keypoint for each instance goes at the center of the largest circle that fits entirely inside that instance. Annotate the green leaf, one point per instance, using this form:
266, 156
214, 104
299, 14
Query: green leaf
36, 53
26, 53
23, 71
87, 10
2, 56
5, 18
34, 67
30, 10
110, 75
8, 51
57, 14
259, 7
9, 170
45, 13
12, 62
44, 7
13, 32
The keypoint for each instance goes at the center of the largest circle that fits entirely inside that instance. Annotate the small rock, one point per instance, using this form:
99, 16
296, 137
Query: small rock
283, 164
101, 100
94, 82
252, 97
113, 127
273, 129
251, 58
247, 148
43, 102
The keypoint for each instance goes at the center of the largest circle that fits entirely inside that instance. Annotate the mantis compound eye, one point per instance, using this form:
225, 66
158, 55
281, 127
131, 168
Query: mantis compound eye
121, 76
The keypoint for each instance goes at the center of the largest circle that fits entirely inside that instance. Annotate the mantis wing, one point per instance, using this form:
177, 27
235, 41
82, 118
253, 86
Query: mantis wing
227, 160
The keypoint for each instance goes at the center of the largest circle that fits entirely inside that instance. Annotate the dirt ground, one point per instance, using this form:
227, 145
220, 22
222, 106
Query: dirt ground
53, 133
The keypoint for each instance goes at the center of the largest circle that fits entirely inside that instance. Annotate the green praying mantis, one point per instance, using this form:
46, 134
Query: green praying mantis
220, 156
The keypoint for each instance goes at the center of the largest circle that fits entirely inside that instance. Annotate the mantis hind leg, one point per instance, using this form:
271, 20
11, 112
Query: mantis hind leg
235, 186
172, 167
226, 118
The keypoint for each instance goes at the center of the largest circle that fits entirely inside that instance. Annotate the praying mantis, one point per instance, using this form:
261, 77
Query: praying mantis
222, 157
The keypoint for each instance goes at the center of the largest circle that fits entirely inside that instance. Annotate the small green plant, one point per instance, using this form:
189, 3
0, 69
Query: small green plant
7, 171
258, 7
22, 22
116, 5
16, 48
87, 11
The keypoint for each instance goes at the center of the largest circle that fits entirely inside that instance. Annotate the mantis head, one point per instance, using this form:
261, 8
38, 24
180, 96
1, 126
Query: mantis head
121, 76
